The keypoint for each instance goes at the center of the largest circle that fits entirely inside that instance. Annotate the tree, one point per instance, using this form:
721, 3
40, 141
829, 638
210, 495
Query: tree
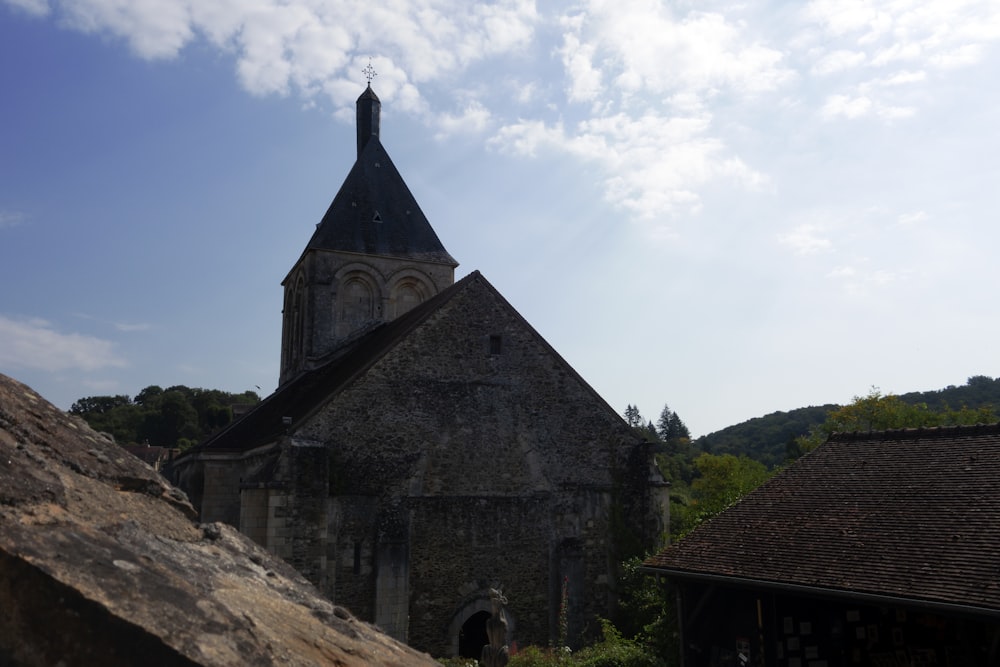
678, 429
633, 417
148, 396
880, 412
722, 480
98, 404
663, 423
178, 416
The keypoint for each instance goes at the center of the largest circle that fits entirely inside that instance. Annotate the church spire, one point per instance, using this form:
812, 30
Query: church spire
369, 110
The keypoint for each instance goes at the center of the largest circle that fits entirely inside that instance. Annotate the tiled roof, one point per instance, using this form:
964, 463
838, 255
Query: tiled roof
298, 397
911, 514
375, 213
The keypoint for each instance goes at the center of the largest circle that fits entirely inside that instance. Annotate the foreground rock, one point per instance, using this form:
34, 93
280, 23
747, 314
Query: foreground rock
102, 563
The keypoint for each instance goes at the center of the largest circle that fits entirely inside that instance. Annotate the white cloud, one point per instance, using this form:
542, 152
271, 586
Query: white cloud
912, 218
647, 87
154, 28
901, 40
859, 282
654, 164
838, 61
306, 46
473, 118
102, 386
10, 219
806, 239
584, 79
644, 48
129, 327
846, 107
942, 33
35, 344
35, 7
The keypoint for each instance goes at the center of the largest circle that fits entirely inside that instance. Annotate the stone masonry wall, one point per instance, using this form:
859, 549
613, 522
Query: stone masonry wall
463, 546
495, 446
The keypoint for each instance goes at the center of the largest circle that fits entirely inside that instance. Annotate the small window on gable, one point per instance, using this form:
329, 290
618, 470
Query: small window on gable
496, 344
357, 558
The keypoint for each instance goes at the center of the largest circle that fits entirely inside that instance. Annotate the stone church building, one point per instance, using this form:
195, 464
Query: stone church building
425, 443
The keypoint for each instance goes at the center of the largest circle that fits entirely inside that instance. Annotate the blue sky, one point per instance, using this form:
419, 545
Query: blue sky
731, 208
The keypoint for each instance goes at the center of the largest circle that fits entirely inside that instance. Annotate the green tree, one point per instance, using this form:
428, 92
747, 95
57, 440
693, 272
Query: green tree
178, 416
633, 417
880, 412
677, 429
663, 423
724, 479
148, 396
98, 404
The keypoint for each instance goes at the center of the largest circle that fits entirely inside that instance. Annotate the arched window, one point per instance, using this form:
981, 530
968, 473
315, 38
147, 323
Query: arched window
357, 302
297, 321
406, 295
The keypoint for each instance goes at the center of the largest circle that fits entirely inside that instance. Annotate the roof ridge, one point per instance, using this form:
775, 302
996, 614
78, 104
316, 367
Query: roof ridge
366, 350
922, 431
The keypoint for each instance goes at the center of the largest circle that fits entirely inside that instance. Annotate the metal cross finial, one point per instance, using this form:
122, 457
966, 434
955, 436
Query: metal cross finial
369, 72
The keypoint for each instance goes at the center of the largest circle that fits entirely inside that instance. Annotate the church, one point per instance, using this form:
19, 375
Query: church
425, 444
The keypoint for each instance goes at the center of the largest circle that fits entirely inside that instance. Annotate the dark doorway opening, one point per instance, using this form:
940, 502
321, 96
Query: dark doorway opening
472, 637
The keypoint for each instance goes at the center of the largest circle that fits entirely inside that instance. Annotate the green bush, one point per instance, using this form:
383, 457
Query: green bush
613, 650
532, 656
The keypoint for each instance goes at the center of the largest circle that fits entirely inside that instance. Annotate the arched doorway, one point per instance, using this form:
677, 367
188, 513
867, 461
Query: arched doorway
472, 637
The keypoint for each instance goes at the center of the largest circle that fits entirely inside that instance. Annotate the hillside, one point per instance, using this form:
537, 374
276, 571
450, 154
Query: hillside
765, 438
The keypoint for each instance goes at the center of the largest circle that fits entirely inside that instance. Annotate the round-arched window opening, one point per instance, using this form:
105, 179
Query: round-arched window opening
472, 637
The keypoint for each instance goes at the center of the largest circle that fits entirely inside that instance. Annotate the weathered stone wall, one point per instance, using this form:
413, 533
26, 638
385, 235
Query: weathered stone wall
306, 508
441, 415
351, 536
220, 500
324, 274
463, 546
503, 464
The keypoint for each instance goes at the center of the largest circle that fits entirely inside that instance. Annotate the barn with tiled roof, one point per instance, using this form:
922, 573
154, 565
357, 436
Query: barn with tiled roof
877, 548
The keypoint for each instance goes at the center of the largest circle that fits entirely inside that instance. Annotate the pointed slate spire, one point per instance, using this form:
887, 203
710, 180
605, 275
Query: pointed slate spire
369, 110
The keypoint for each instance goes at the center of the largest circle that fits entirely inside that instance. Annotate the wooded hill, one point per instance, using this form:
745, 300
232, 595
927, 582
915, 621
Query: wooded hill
766, 439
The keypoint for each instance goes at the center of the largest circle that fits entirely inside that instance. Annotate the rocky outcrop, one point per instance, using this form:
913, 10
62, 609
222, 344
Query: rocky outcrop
103, 563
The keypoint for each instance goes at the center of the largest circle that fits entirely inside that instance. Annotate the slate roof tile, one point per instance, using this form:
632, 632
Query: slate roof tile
375, 213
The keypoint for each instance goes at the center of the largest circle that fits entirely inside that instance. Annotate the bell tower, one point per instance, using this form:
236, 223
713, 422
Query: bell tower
373, 257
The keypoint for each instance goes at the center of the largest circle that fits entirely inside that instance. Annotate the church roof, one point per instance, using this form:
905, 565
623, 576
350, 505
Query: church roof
909, 515
298, 397
374, 212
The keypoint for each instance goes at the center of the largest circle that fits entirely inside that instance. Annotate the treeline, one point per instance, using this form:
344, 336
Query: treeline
701, 484
772, 439
766, 439
714, 471
176, 417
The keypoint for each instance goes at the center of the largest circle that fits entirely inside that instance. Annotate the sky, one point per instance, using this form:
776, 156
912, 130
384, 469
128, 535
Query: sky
727, 208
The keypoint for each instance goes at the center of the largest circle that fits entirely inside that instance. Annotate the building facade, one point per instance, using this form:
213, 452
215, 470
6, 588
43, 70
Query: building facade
425, 443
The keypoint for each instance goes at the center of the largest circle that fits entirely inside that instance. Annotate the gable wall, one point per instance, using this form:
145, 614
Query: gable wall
488, 468
439, 414
325, 274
